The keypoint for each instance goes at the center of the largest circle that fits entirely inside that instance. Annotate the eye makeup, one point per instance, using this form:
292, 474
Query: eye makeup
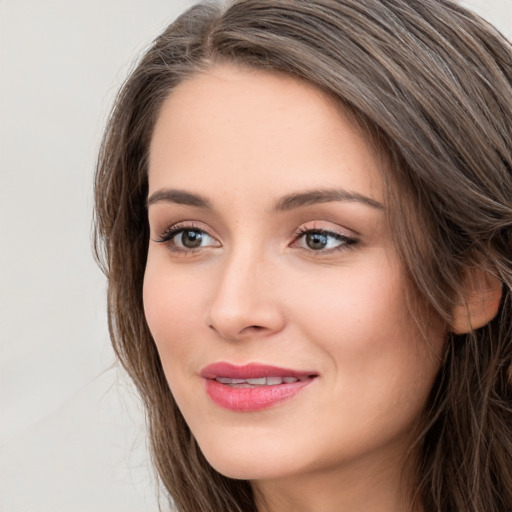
186, 238
322, 240
189, 237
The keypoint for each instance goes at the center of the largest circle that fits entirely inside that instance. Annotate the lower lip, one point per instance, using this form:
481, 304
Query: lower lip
252, 399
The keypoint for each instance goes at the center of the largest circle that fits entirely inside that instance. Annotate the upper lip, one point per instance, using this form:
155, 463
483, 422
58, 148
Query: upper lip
251, 371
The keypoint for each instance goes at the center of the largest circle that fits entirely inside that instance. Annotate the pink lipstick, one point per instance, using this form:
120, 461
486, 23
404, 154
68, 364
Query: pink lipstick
254, 386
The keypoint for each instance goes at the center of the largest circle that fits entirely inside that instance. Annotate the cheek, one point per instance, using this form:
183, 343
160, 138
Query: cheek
362, 323
351, 310
172, 306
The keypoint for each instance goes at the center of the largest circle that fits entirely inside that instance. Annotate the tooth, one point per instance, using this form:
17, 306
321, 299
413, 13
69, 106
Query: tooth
261, 381
227, 380
256, 382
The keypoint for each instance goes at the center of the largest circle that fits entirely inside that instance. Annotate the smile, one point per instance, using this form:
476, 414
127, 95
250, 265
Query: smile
252, 387
263, 381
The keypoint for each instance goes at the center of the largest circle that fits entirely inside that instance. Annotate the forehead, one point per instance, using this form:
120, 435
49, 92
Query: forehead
251, 129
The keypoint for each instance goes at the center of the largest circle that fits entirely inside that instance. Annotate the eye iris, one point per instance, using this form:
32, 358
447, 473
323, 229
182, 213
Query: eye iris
316, 240
191, 239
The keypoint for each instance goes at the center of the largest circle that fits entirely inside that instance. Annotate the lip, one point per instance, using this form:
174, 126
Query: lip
258, 397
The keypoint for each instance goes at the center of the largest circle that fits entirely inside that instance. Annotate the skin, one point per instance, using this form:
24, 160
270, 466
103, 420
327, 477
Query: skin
255, 291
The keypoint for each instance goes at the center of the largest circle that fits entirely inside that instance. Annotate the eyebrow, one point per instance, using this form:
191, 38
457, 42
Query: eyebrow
286, 203
300, 199
178, 197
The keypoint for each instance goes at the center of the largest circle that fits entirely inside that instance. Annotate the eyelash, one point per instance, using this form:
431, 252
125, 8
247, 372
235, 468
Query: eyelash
346, 242
168, 236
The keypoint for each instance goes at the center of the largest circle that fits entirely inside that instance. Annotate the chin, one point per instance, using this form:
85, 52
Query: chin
241, 465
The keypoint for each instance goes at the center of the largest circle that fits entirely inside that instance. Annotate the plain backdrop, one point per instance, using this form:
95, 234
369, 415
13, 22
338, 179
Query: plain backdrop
71, 429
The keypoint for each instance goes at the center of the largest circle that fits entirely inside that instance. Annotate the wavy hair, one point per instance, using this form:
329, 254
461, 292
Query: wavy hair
431, 85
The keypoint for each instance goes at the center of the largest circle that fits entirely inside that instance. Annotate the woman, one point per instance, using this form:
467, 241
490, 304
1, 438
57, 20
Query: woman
304, 214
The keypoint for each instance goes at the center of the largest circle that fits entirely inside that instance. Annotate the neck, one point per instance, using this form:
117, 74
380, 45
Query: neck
380, 485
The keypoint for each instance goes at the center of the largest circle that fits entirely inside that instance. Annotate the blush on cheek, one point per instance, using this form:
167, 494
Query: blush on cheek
172, 311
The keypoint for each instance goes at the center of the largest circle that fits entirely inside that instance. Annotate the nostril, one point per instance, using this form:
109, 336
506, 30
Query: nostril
253, 328
249, 327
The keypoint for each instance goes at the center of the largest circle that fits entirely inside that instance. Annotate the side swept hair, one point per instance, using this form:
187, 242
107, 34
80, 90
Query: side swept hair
431, 83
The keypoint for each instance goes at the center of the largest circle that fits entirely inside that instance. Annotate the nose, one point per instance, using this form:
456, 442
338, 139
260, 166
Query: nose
245, 301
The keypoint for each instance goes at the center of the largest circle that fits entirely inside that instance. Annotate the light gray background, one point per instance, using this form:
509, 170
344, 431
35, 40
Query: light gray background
71, 432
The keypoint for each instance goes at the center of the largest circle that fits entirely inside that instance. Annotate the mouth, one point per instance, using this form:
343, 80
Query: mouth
254, 386
263, 381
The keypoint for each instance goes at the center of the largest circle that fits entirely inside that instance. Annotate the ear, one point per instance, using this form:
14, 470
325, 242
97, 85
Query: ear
480, 301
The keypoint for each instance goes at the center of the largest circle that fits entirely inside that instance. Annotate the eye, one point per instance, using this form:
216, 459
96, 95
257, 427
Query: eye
322, 240
191, 239
187, 238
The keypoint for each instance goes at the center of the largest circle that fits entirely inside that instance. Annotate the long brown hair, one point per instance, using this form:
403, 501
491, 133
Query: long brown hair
431, 83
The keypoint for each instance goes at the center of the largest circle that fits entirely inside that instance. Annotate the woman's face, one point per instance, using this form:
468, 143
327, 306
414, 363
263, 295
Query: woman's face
271, 259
